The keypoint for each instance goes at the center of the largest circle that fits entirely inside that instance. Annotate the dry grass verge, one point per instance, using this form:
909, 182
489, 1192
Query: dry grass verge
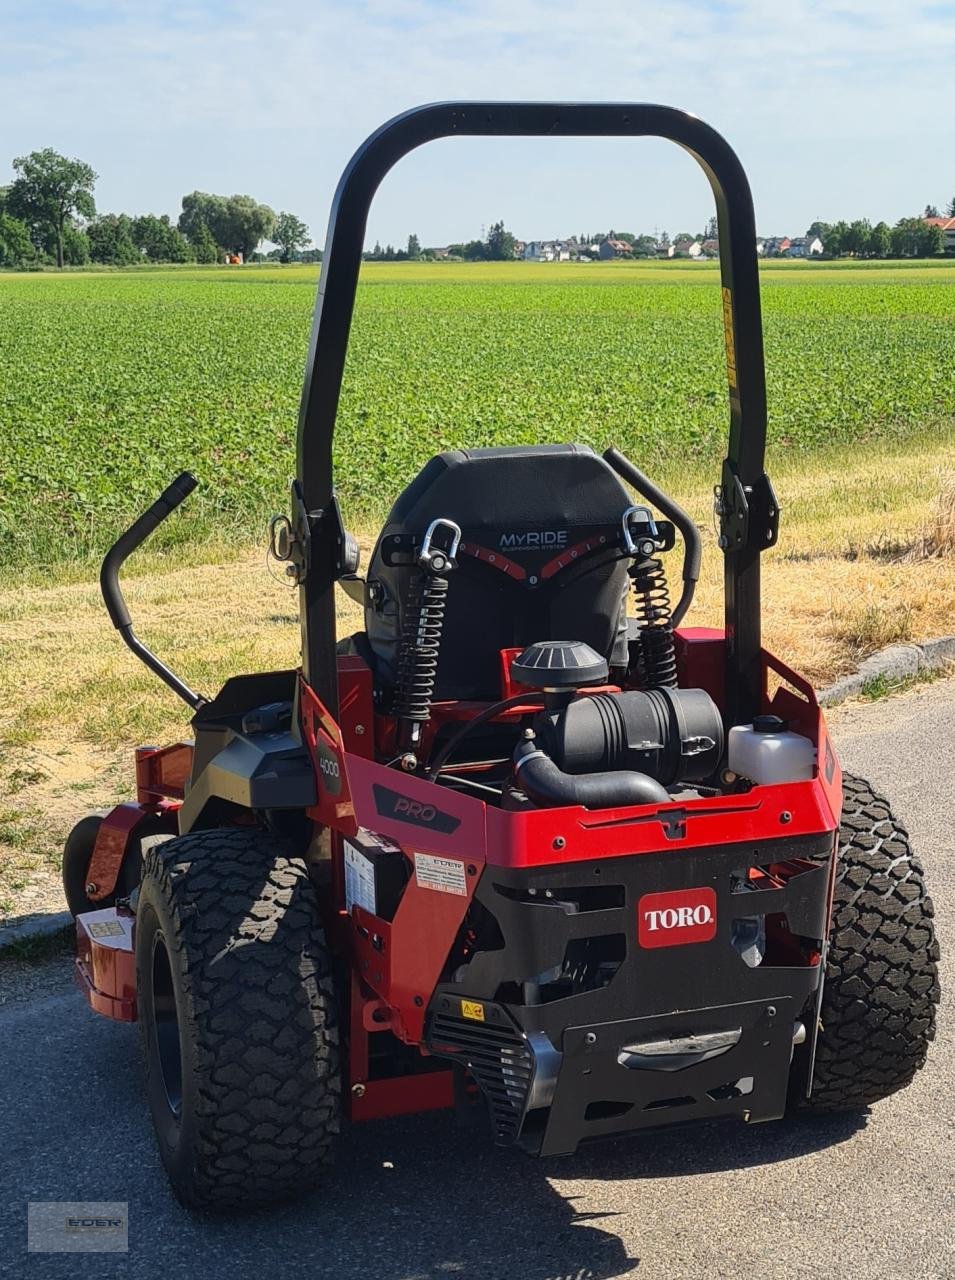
73, 701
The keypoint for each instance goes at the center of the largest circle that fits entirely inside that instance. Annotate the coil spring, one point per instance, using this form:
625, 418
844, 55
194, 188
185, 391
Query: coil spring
656, 624
420, 647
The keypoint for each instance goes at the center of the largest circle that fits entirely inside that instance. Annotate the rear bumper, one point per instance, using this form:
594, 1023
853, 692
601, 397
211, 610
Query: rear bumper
575, 1028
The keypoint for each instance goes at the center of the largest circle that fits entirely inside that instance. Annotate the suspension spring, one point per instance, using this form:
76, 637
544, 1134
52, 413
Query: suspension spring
652, 599
420, 648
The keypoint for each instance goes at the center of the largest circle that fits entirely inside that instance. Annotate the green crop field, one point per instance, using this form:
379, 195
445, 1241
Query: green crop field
111, 382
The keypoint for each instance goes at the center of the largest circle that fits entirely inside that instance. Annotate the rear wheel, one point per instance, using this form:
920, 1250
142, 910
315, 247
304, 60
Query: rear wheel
878, 1008
238, 1017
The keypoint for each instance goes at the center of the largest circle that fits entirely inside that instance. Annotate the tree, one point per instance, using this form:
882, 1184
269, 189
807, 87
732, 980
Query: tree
818, 230
159, 241
931, 241
76, 246
835, 242
16, 247
49, 191
414, 247
907, 237
111, 242
950, 211
236, 223
856, 238
290, 234
500, 243
712, 229
203, 245
930, 211
880, 241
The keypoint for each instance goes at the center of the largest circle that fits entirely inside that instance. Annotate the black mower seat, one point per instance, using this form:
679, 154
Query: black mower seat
540, 559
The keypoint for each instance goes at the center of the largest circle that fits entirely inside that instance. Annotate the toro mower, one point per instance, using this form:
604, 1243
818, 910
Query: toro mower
527, 843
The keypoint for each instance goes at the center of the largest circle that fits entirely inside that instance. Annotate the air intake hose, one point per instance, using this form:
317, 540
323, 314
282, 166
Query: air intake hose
672, 735
549, 787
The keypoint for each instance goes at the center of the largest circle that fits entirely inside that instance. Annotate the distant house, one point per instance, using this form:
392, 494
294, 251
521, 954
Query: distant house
711, 248
614, 249
760, 246
547, 251
804, 247
519, 247
664, 250
773, 246
687, 249
947, 227
440, 253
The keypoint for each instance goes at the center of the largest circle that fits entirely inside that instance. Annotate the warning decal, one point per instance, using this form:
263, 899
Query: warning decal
447, 875
472, 1009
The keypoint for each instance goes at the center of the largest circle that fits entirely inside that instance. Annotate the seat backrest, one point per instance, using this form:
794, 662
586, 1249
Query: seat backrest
539, 559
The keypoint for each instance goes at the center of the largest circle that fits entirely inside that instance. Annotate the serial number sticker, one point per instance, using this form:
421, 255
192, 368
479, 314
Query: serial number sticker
446, 875
473, 1010
105, 929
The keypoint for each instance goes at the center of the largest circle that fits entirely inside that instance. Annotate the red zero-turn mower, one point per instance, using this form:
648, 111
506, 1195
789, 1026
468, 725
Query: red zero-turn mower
509, 845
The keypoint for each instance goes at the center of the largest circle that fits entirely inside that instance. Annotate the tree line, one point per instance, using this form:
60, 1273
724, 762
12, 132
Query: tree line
909, 238
48, 216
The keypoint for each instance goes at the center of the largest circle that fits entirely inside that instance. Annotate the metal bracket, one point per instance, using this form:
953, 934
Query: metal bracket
748, 514
291, 538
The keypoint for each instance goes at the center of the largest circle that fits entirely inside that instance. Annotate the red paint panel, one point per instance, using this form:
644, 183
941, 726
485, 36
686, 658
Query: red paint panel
545, 837
322, 737
402, 1096
415, 813
677, 918
356, 710
572, 554
162, 772
105, 967
494, 559
112, 839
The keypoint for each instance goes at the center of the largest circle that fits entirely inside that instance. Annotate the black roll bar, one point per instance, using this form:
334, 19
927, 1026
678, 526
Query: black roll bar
745, 490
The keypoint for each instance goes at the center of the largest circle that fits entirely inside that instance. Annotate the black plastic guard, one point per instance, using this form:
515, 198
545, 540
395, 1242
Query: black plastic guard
597, 1095
546, 917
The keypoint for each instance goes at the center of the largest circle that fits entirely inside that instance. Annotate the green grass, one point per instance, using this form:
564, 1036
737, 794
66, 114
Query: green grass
112, 382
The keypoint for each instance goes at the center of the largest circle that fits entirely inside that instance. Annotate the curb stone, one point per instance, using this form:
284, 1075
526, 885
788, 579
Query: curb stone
29, 928
896, 662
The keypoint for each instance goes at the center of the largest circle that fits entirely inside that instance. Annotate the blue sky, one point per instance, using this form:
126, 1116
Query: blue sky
841, 109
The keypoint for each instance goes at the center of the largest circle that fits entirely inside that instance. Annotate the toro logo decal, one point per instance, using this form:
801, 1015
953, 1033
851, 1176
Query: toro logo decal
391, 804
677, 918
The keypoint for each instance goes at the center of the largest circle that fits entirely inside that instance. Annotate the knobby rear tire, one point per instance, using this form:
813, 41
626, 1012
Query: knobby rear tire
238, 1015
881, 989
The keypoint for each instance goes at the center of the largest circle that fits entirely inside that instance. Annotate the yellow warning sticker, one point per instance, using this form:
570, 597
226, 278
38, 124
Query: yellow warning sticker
730, 339
472, 1009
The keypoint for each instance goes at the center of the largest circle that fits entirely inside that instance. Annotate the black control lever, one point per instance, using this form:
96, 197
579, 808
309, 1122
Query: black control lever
119, 552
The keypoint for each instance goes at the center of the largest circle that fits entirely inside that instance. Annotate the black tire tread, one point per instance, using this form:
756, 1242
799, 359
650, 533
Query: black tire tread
878, 1009
257, 982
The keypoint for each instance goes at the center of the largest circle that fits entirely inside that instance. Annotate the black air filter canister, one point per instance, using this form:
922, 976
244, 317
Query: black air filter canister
674, 735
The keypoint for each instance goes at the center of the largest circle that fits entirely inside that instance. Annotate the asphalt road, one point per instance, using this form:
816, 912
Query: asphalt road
421, 1200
